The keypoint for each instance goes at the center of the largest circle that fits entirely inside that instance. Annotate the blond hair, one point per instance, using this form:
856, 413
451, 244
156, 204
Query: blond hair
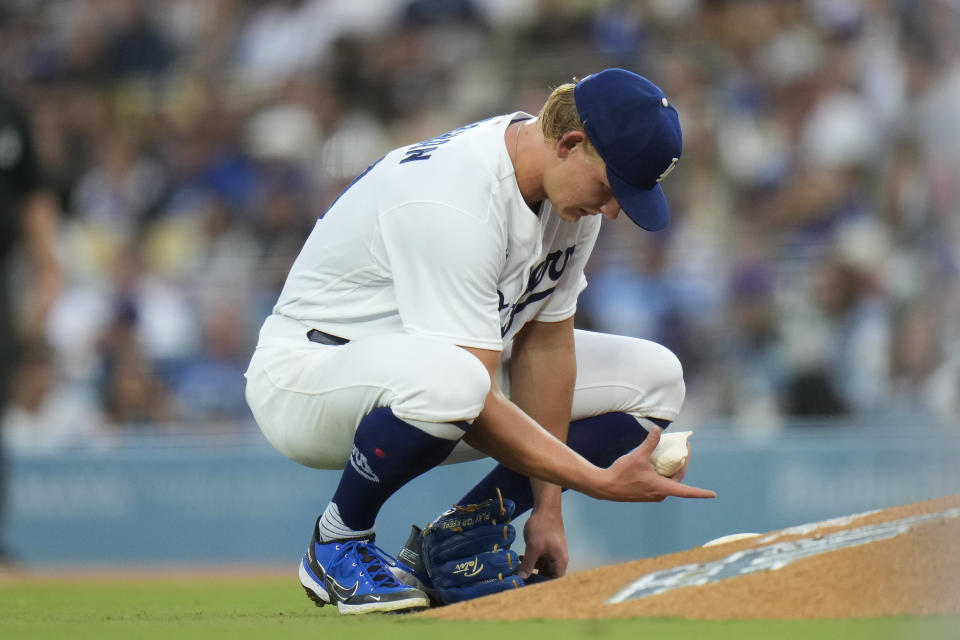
559, 115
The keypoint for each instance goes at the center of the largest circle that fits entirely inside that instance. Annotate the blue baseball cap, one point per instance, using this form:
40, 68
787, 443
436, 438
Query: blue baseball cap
637, 133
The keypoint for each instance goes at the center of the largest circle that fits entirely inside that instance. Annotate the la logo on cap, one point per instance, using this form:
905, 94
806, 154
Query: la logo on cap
666, 172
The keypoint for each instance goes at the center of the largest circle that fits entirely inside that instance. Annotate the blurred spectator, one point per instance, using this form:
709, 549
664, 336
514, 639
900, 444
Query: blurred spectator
842, 340
45, 415
430, 12
112, 201
206, 387
925, 370
637, 296
811, 266
135, 44
618, 31
754, 368
132, 394
283, 38
280, 38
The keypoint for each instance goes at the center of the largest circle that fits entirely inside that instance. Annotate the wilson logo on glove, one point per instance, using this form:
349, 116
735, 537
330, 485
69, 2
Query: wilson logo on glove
470, 568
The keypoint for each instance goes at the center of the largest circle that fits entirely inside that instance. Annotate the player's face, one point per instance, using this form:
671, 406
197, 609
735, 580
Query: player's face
579, 187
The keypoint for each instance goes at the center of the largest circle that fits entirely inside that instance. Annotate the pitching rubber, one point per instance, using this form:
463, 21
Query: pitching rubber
733, 537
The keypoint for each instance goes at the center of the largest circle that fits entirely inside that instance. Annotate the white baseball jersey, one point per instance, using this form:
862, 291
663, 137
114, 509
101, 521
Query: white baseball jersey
434, 239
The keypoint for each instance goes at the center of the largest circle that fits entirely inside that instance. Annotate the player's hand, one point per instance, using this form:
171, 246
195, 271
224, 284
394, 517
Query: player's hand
546, 545
631, 478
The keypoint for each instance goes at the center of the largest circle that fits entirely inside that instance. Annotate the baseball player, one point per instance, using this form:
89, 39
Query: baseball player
429, 319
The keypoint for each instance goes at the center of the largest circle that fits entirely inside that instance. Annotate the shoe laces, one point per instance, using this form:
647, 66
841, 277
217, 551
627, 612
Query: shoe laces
373, 560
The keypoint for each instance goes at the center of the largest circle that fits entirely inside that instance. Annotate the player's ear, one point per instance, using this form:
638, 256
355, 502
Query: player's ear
568, 142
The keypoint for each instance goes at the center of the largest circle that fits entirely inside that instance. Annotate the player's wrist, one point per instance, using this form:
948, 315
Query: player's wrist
593, 481
546, 495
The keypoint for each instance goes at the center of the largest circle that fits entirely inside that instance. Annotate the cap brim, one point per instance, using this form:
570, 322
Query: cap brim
646, 207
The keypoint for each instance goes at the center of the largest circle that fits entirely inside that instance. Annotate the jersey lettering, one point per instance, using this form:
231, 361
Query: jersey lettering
422, 150
551, 266
418, 153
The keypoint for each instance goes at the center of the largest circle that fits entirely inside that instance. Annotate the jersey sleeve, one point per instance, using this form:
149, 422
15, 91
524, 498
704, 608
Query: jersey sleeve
563, 302
445, 265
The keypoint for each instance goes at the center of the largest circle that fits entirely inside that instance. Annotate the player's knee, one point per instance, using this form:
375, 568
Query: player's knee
450, 388
660, 371
463, 386
669, 374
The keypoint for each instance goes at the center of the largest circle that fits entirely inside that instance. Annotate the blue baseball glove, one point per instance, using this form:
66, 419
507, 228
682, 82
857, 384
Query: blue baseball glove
465, 553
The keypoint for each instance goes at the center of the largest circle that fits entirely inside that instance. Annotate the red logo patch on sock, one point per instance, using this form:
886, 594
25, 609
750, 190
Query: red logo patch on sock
379, 453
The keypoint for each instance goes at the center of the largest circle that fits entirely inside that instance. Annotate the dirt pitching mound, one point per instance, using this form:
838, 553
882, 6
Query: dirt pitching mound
899, 561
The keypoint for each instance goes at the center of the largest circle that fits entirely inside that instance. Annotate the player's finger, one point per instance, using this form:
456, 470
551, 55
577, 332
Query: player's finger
686, 491
650, 442
550, 568
528, 563
558, 567
645, 450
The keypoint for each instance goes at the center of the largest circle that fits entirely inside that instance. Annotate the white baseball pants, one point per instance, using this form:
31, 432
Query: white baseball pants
308, 398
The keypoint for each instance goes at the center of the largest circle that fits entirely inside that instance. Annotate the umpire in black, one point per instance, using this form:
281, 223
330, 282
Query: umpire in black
28, 217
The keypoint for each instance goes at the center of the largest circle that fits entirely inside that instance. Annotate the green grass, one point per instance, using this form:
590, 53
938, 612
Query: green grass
273, 607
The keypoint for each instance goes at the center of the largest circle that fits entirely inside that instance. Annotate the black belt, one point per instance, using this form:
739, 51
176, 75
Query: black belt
325, 338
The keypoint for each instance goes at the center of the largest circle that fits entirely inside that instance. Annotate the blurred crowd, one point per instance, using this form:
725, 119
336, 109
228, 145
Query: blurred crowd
811, 268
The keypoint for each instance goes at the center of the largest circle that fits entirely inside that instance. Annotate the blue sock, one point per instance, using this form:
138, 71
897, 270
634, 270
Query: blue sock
387, 454
600, 439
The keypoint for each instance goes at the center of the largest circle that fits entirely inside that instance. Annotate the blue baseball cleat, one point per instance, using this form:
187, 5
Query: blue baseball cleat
355, 575
410, 569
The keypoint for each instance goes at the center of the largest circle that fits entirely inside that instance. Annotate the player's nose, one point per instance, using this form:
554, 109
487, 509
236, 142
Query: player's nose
610, 209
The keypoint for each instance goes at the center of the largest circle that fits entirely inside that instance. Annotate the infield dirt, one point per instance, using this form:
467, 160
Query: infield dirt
916, 571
